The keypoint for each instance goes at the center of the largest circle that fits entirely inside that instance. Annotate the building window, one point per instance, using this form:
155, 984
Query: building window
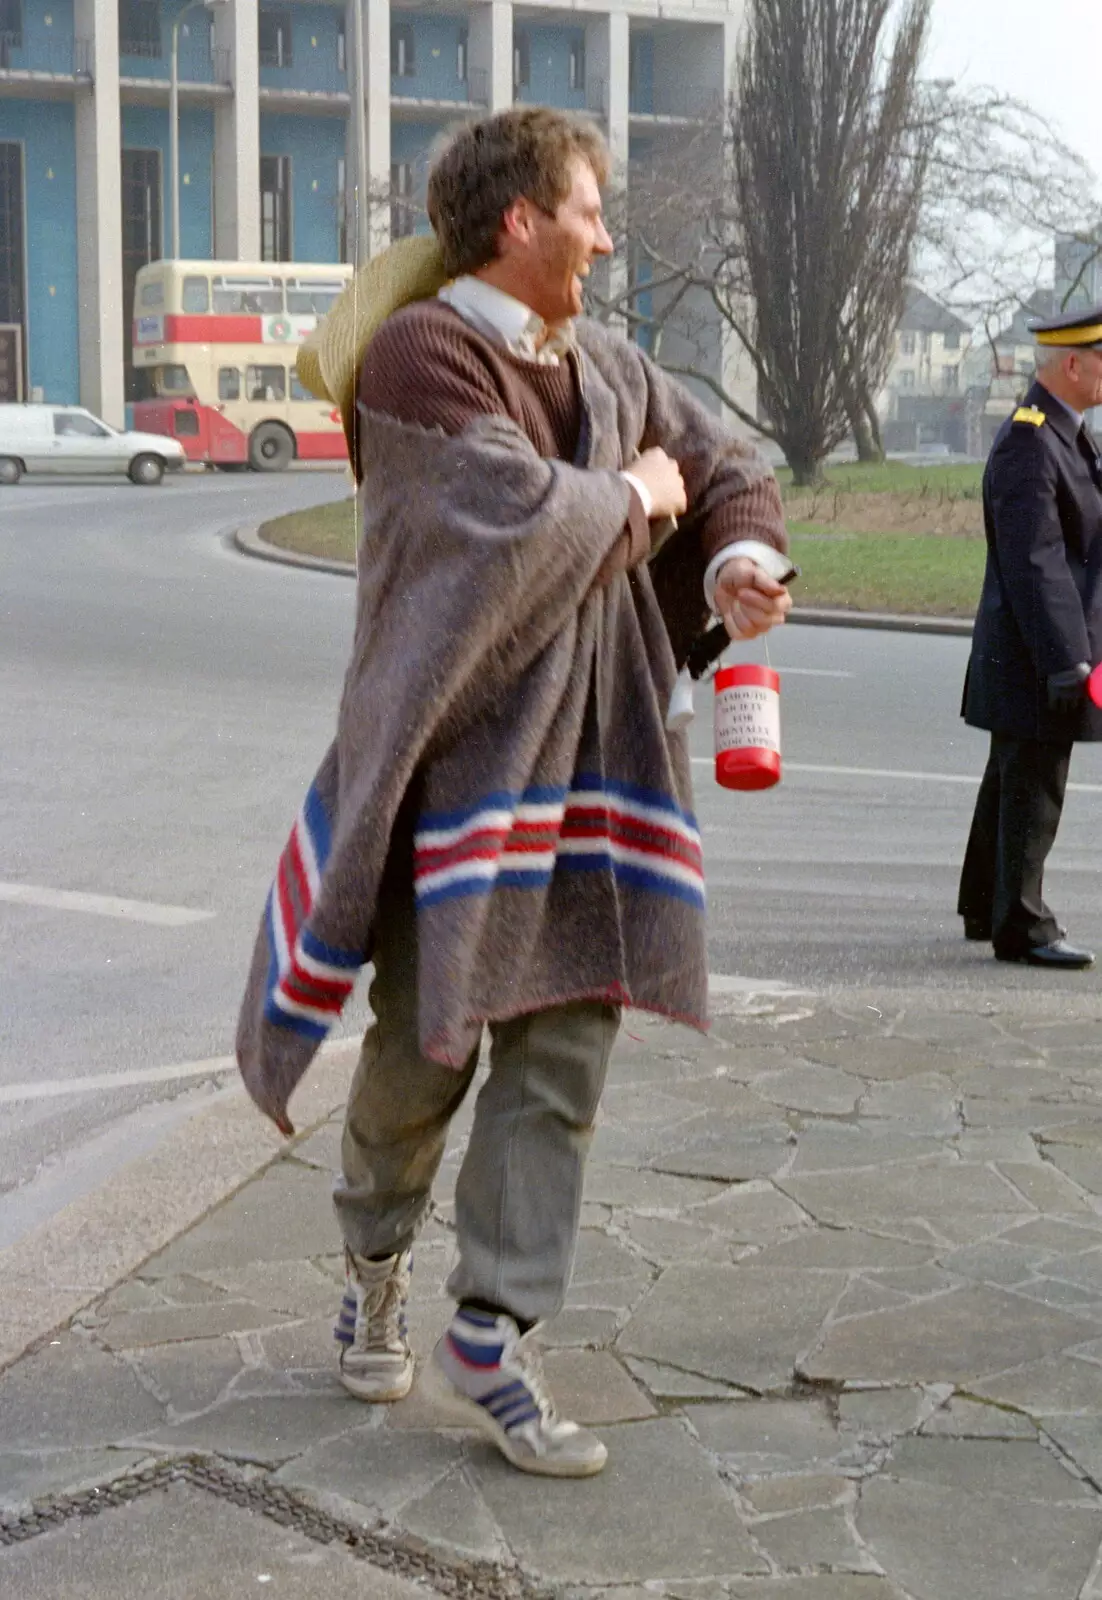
140, 28
11, 25
342, 210
342, 44
907, 344
522, 61
952, 341
402, 213
577, 64
12, 286
275, 208
402, 57
141, 240
274, 37
906, 380
461, 58
950, 377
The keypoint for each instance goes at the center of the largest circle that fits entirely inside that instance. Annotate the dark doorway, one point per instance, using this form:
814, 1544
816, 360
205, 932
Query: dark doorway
141, 240
13, 291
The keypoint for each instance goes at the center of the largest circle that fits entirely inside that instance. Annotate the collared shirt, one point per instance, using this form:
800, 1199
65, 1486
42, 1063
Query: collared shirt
1076, 416
509, 321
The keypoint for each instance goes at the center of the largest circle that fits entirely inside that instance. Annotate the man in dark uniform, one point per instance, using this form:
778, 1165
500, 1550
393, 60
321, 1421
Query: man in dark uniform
1038, 634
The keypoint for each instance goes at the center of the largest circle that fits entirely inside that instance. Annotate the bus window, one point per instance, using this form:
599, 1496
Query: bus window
152, 297
229, 383
173, 380
247, 297
298, 392
186, 424
266, 383
196, 297
308, 298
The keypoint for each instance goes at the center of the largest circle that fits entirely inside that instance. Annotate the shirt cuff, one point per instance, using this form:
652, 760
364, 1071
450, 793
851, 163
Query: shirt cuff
772, 563
642, 491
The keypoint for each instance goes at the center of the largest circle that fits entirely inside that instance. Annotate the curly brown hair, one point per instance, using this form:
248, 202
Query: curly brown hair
486, 165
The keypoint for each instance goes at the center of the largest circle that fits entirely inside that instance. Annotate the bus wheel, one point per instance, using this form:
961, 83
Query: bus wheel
146, 470
271, 448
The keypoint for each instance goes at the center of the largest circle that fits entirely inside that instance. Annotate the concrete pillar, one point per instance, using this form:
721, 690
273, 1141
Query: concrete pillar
490, 50
369, 90
607, 52
237, 135
99, 215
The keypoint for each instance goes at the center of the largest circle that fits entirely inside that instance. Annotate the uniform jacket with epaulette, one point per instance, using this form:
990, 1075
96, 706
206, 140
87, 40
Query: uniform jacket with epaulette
1040, 611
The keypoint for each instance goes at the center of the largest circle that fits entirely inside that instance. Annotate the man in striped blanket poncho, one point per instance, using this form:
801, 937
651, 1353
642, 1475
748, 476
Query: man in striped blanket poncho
503, 824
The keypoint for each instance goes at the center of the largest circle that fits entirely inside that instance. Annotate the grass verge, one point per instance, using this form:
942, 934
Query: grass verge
922, 574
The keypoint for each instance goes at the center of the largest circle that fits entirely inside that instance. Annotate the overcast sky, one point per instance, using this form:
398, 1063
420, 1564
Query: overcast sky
1048, 53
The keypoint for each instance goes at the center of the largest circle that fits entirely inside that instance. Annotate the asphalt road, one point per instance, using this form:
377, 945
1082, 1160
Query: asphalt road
164, 700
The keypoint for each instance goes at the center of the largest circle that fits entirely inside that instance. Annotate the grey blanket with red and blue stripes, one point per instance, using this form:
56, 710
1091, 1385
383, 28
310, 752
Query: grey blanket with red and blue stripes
515, 702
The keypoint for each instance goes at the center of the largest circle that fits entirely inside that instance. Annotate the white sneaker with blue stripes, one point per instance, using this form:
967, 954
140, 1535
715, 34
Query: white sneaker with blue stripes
484, 1373
376, 1361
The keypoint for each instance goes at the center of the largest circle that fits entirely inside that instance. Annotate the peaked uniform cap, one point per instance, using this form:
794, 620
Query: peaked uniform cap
329, 360
1077, 330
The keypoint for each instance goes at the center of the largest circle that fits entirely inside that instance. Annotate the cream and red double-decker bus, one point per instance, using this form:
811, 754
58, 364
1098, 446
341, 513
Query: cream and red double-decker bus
217, 342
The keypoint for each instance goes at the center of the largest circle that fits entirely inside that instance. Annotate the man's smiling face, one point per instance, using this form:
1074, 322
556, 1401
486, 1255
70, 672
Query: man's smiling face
555, 252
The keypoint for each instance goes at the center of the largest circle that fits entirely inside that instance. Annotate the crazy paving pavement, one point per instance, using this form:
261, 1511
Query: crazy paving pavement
837, 1312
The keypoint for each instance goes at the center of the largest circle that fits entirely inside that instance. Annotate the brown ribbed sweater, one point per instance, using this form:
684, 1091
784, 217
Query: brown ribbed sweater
429, 367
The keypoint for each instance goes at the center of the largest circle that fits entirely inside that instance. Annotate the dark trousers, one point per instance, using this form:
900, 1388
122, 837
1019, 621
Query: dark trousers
1017, 813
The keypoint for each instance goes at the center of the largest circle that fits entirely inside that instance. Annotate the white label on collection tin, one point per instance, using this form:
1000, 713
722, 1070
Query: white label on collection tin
748, 717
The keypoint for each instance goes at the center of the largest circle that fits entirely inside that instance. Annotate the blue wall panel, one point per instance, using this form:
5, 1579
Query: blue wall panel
435, 57
146, 128
194, 58
314, 62
413, 142
549, 67
47, 37
642, 73
46, 131
315, 145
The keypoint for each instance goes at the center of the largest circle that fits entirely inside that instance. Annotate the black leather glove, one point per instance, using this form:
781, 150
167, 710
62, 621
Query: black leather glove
1066, 689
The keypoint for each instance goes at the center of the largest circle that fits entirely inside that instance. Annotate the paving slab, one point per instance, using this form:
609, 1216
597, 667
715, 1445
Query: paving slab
812, 1539
744, 1325
268, 1430
376, 1469
189, 1377
1018, 1469
956, 1337
769, 1436
69, 1394
30, 1475
620, 1538
926, 1190
807, 1492
826, 1586
594, 1388
1064, 1385
453, 1517
241, 1232
174, 1324
180, 1543
945, 1544
967, 1419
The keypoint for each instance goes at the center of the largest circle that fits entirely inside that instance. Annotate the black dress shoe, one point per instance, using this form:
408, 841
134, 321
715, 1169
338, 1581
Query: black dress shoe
1057, 954
977, 930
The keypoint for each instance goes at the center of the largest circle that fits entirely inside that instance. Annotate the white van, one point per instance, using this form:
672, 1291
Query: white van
36, 438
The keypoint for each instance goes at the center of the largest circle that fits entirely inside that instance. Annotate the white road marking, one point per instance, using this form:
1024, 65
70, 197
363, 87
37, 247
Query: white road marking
813, 672
61, 1088
101, 905
722, 983
895, 772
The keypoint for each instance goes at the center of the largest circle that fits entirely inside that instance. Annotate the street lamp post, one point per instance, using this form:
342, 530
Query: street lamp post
174, 116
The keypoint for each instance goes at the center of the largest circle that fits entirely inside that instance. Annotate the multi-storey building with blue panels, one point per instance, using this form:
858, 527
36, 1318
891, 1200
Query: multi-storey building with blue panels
267, 135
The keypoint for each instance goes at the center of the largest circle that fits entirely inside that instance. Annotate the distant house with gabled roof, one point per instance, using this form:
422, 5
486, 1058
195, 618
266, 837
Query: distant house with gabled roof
922, 401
